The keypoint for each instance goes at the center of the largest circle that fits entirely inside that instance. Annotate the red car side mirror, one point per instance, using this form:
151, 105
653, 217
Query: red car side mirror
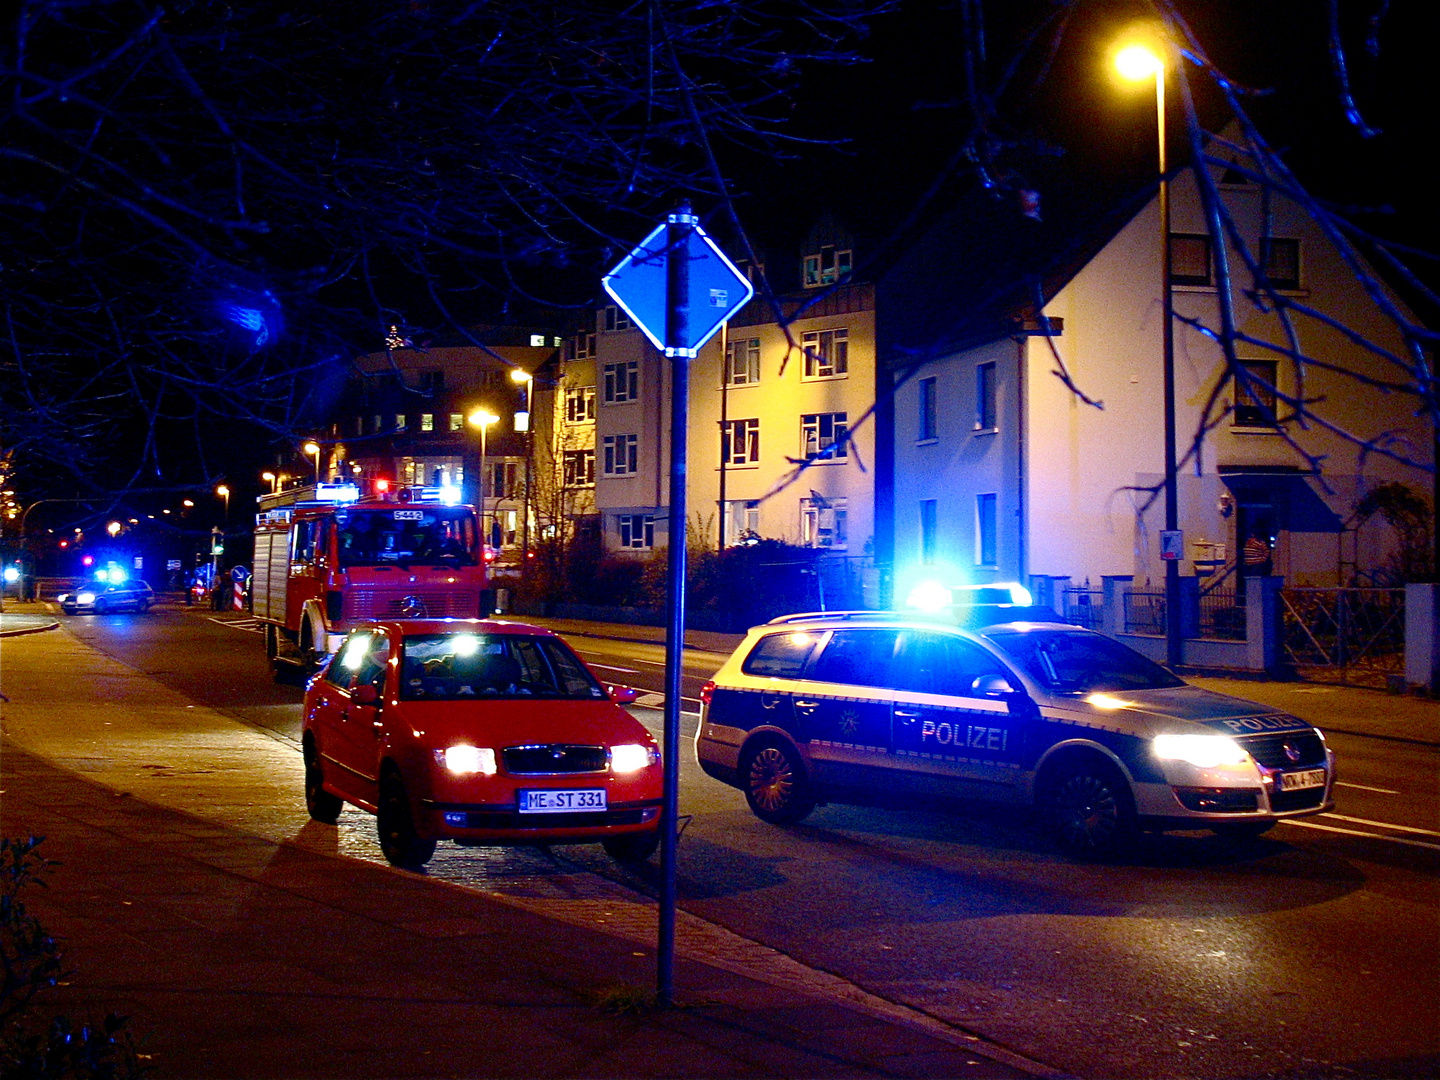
622, 695
365, 694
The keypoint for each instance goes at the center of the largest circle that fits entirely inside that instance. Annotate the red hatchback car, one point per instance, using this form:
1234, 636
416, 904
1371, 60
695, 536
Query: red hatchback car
477, 731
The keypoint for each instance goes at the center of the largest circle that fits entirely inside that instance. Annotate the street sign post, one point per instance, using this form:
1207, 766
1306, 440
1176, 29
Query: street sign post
678, 287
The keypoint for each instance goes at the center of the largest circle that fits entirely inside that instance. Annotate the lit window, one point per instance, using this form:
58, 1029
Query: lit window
457, 421
827, 267
579, 468
400, 421
742, 362
622, 455
986, 416
614, 318
427, 421
740, 442
1255, 394
927, 418
1280, 259
622, 382
742, 520
1189, 259
579, 404
823, 436
985, 546
637, 531
827, 353
823, 523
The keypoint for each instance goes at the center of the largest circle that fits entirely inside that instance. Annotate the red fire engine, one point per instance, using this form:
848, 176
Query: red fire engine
327, 559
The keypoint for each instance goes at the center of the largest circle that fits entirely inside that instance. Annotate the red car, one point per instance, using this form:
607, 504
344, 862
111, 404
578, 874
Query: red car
477, 731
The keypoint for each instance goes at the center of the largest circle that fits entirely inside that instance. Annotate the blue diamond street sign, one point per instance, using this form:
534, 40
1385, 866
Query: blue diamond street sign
716, 289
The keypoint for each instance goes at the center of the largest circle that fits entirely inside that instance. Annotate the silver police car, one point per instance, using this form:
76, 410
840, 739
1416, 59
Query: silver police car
858, 705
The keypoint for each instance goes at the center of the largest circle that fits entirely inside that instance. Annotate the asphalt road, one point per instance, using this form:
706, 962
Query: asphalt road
1312, 952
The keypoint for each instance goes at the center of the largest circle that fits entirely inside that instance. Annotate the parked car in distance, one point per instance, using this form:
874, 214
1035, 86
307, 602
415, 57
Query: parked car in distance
98, 597
860, 706
480, 732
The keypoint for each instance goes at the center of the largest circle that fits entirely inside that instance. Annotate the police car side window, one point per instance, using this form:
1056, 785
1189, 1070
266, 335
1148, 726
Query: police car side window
779, 656
858, 658
942, 664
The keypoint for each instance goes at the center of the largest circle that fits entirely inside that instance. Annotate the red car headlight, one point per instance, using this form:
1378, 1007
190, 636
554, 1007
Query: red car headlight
467, 760
632, 757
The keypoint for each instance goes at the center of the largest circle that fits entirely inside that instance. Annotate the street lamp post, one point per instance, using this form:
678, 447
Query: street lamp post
313, 448
224, 492
1138, 62
482, 420
522, 423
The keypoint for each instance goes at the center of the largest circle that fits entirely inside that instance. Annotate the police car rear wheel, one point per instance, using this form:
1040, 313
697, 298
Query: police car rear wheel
775, 785
1091, 812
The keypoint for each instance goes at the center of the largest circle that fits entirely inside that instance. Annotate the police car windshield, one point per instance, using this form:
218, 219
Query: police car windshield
401, 535
1071, 662
465, 667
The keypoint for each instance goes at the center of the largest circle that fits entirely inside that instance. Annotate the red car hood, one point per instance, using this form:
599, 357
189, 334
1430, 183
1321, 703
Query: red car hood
518, 723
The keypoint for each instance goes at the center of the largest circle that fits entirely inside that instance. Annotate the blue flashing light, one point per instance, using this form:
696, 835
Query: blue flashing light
929, 596
12, 574
449, 495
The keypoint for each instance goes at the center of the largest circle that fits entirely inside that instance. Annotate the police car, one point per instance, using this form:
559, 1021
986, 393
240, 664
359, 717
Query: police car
852, 706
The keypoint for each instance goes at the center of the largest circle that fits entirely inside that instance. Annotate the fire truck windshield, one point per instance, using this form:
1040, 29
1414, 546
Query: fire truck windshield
406, 534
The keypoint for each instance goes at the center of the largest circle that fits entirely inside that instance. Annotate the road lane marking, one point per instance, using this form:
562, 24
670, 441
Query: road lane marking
1366, 787
1366, 835
1383, 824
612, 667
252, 625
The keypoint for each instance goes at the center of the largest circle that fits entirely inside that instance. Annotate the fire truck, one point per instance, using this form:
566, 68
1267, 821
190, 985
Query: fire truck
327, 558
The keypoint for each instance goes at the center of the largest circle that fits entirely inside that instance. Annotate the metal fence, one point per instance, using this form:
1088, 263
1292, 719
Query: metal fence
1145, 611
1083, 606
1222, 615
1354, 636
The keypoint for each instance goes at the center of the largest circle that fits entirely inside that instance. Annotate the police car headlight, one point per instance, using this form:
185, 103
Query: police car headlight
631, 757
465, 760
1202, 751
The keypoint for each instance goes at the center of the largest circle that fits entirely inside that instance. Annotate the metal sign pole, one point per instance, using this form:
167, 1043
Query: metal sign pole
677, 332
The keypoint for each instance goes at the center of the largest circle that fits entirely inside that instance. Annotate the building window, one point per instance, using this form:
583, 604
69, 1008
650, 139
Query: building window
399, 421
740, 442
827, 267
985, 545
823, 523
457, 421
929, 512
1280, 260
614, 318
927, 419
742, 520
742, 362
502, 480
579, 404
622, 382
427, 421
432, 381
579, 466
581, 347
1255, 395
622, 455
986, 413
637, 531
1189, 259
823, 436
827, 353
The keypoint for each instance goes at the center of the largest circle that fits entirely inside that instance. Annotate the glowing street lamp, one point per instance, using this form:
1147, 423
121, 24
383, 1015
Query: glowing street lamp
525, 379
114, 529
273, 480
313, 448
1138, 61
224, 493
482, 420
522, 423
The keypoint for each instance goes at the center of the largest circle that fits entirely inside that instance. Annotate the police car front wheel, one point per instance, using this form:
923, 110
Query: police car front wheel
775, 784
1091, 811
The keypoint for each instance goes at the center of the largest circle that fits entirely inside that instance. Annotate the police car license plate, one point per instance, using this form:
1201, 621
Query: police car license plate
561, 800
1299, 781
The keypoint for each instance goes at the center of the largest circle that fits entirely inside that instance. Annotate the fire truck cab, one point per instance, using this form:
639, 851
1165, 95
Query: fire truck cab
328, 558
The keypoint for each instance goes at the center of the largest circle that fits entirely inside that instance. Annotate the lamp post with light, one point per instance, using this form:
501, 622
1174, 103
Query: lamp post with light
313, 448
224, 492
482, 420
522, 423
1138, 61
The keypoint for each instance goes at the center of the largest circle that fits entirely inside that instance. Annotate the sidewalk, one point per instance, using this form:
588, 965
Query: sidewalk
195, 897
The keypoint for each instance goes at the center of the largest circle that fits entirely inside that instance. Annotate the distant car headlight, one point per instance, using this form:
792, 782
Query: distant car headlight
1202, 751
85, 598
465, 760
632, 757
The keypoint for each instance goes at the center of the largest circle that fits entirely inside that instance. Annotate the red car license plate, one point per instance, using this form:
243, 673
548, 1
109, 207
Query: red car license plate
561, 800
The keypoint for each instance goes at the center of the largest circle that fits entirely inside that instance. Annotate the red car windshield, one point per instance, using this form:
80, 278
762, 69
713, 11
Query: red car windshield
464, 667
403, 535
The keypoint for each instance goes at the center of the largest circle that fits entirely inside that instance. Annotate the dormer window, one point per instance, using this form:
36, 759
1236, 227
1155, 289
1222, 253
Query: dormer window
828, 267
